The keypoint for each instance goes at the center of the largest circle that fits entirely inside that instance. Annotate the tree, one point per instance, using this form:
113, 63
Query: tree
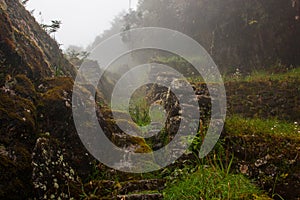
53, 27
248, 34
24, 2
76, 55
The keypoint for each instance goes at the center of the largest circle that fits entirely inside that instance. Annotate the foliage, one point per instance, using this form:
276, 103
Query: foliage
76, 55
117, 25
211, 183
139, 111
24, 2
58, 71
249, 35
236, 125
53, 27
263, 75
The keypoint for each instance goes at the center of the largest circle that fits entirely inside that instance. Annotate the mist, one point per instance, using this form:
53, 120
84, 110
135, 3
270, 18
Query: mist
81, 21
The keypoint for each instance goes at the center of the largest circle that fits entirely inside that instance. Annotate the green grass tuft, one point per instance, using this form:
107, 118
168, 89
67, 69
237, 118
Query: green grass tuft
212, 183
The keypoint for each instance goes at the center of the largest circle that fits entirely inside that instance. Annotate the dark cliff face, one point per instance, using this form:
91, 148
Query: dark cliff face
27, 48
41, 155
35, 113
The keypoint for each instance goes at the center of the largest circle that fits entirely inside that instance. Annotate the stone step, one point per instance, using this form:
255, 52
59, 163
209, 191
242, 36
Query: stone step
135, 188
155, 196
141, 185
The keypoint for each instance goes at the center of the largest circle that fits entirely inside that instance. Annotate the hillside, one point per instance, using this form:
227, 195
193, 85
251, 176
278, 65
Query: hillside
39, 144
42, 156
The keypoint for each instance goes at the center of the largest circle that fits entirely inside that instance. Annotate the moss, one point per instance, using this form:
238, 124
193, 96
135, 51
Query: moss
15, 173
127, 140
17, 134
17, 115
142, 145
53, 101
35, 61
121, 114
25, 88
56, 86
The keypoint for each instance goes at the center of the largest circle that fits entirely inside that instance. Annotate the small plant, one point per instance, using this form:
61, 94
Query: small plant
53, 27
24, 2
139, 111
58, 71
237, 74
273, 190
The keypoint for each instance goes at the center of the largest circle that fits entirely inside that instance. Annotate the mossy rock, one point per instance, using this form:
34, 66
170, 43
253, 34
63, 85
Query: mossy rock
18, 132
55, 117
119, 113
142, 147
17, 117
24, 88
55, 103
52, 176
15, 173
122, 139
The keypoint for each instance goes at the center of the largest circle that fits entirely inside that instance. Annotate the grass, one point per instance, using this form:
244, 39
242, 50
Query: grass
262, 75
238, 125
255, 76
213, 178
212, 183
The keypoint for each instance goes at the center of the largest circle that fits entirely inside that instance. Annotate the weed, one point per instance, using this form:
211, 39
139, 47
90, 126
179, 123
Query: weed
58, 71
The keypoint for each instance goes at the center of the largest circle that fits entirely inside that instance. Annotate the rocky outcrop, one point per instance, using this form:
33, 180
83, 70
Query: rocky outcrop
52, 175
41, 155
31, 99
25, 48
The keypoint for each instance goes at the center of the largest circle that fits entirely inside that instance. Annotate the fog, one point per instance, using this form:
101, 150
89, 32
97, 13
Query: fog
81, 21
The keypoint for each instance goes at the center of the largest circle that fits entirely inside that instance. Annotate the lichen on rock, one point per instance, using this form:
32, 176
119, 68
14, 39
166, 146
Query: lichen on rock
52, 176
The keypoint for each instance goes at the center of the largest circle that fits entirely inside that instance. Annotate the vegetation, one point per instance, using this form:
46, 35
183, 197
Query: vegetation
250, 35
236, 125
261, 75
212, 183
255, 43
53, 27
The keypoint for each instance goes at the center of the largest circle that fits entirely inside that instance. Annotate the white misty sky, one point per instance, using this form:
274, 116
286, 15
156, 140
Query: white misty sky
82, 20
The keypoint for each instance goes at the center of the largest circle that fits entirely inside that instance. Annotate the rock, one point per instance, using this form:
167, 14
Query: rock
37, 49
17, 137
125, 190
156, 196
52, 176
28, 56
